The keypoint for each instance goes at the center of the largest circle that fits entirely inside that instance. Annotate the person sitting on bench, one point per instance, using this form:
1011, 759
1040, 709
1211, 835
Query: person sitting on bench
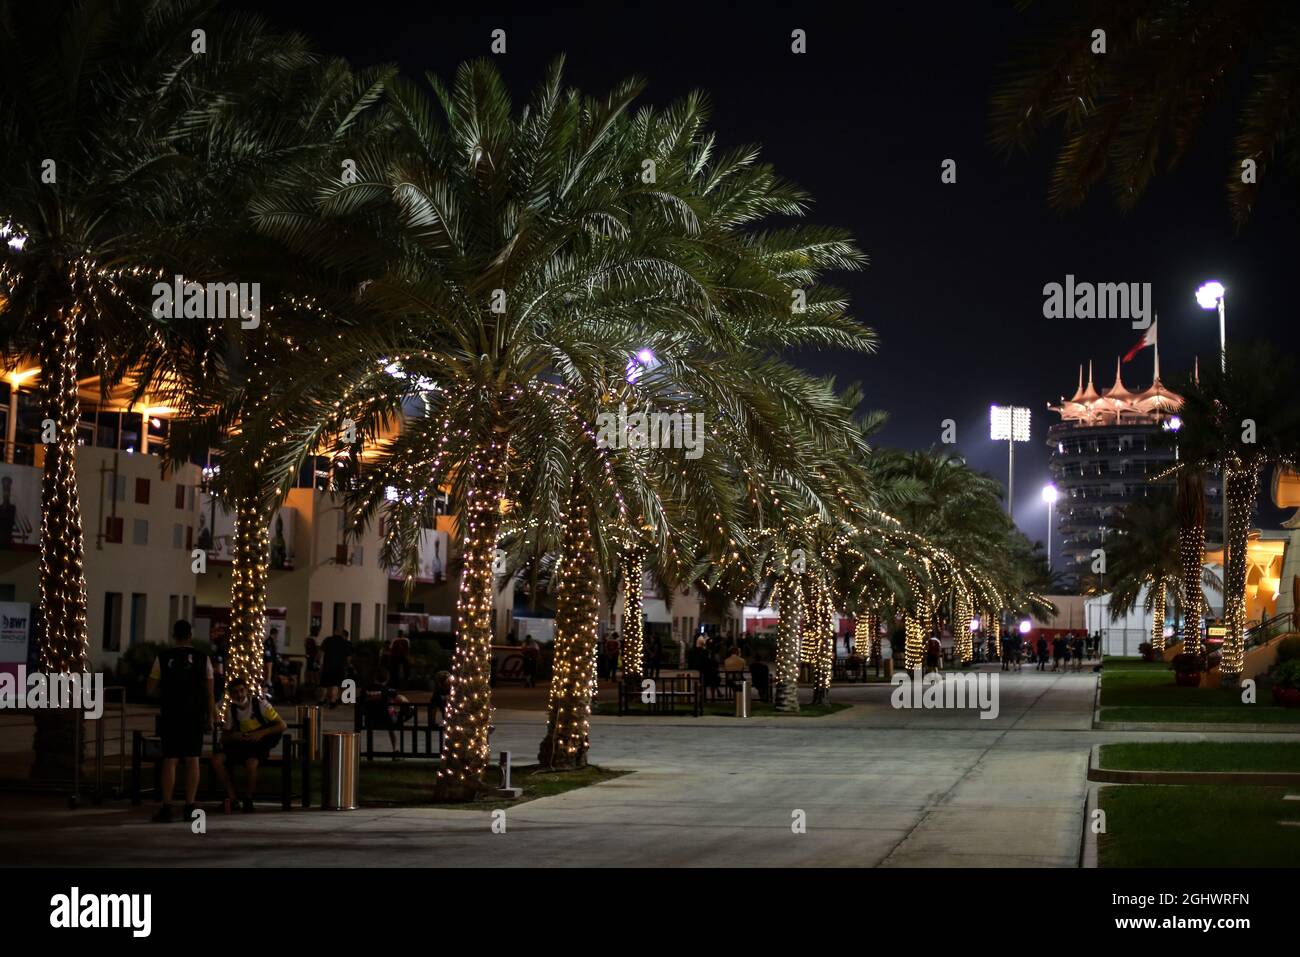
387, 710
252, 729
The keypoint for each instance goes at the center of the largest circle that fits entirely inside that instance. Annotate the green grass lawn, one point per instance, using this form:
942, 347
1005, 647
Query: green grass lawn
1132, 690
1202, 756
409, 783
1150, 825
727, 709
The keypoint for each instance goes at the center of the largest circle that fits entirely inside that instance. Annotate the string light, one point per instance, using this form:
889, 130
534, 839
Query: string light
61, 626
577, 619
788, 598
1242, 489
248, 577
633, 649
1158, 617
468, 713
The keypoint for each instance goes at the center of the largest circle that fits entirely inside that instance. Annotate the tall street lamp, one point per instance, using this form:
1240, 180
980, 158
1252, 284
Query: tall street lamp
1050, 495
1211, 296
1009, 423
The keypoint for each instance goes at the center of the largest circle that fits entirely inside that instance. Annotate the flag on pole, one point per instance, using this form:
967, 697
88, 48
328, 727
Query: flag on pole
1148, 339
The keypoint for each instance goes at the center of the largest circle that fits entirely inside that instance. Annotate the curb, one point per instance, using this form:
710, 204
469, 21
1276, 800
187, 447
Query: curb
1243, 728
1259, 778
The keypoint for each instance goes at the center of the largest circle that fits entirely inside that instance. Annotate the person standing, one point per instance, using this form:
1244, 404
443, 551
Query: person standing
182, 679
530, 654
1041, 648
336, 658
399, 659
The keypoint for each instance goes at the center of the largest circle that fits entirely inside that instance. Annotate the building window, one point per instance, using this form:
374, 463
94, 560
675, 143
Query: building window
139, 618
173, 611
356, 621
142, 491
140, 532
340, 614
180, 496
113, 621
178, 535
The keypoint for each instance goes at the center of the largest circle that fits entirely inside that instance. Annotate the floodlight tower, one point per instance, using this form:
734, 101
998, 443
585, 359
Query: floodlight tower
1009, 422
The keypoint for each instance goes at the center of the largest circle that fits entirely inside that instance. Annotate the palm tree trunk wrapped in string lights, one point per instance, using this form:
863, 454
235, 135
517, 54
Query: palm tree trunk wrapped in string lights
61, 626
822, 615
1159, 600
961, 627
61, 622
573, 673
788, 599
465, 751
248, 578
916, 625
1243, 487
633, 650
1191, 550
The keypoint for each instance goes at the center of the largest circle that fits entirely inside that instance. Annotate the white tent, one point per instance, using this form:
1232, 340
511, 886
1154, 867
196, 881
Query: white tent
1122, 636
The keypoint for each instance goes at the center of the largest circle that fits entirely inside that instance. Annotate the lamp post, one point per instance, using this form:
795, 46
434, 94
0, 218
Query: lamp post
1050, 496
1010, 423
1211, 296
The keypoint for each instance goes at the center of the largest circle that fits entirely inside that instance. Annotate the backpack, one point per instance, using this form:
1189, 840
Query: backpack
183, 676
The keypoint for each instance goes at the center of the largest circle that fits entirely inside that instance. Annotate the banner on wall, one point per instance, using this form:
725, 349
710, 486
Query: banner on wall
433, 557
216, 532
15, 631
20, 507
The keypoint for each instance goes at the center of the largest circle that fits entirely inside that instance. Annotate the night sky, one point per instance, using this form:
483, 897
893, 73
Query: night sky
863, 121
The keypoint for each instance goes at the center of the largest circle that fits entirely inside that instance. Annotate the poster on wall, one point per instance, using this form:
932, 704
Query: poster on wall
15, 630
216, 533
432, 566
20, 507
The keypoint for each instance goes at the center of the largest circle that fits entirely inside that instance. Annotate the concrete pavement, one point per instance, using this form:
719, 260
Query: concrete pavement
875, 786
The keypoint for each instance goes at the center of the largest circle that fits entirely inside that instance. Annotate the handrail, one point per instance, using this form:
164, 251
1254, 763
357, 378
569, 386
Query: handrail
1263, 632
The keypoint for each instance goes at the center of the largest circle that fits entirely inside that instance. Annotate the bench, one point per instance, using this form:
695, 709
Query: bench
668, 694
371, 716
849, 669
729, 684
149, 748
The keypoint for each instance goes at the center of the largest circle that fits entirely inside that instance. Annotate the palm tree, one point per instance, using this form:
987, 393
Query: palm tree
1191, 555
1143, 557
496, 250
98, 102
1137, 106
1240, 422
93, 102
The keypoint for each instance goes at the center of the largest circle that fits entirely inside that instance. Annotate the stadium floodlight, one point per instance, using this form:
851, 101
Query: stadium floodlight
1009, 423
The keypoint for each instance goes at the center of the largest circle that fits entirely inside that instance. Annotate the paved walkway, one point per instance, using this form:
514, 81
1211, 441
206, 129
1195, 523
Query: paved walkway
876, 786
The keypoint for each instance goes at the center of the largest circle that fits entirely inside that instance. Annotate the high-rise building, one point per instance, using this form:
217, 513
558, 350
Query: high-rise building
1106, 453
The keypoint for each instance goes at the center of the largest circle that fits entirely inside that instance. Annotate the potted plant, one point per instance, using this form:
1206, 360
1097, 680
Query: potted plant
1286, 684
1187, 669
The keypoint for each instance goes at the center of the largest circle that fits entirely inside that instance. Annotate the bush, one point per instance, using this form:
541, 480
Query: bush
1147, 651
1187, 663
1288, 649
1287, 675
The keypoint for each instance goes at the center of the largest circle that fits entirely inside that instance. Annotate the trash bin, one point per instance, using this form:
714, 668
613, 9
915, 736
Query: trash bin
742, 700
340, 770
309, 721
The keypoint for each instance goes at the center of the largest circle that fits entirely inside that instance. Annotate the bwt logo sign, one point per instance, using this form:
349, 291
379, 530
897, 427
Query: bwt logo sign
212, 300
12, 623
